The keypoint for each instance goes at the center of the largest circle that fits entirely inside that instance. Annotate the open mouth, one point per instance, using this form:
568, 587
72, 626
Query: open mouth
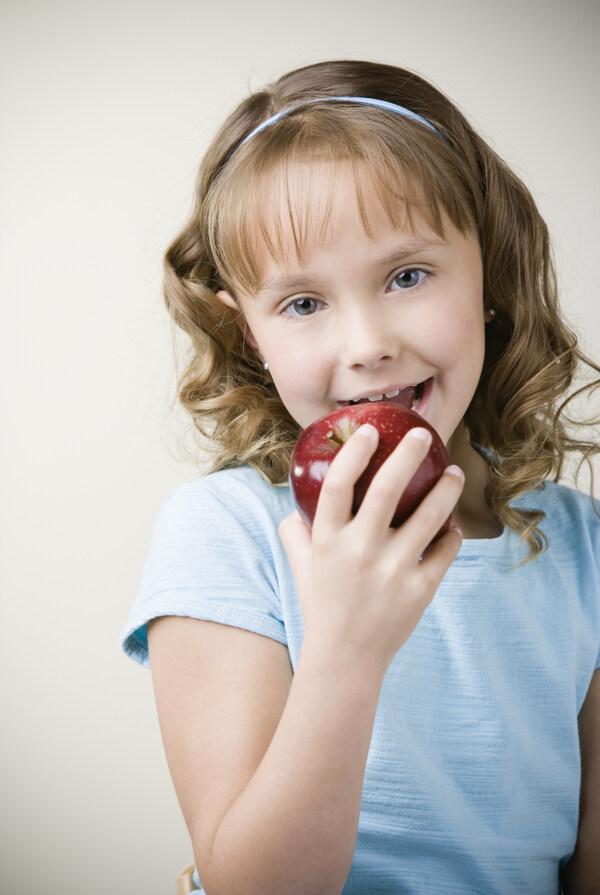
406, 397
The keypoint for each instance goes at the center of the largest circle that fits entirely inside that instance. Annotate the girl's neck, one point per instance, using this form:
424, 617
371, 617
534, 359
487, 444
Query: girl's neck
473, 514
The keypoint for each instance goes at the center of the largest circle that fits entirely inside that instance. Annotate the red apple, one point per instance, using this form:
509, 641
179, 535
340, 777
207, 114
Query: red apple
319, 443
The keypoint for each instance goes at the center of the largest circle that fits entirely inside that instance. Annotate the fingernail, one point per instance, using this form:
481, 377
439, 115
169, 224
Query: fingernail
456, 471
420, 433
366, 430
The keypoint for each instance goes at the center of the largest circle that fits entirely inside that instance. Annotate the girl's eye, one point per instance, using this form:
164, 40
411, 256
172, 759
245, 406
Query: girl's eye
302, 307
408, 279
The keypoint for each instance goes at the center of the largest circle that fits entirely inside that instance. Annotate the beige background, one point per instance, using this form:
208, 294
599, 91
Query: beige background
106, 110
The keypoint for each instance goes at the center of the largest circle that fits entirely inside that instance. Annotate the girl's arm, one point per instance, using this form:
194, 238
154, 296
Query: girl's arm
269, 766
582, 875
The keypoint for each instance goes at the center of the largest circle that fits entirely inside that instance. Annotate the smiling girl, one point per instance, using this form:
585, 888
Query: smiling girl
340, 712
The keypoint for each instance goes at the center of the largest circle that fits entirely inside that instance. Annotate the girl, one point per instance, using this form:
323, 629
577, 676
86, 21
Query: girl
340, 712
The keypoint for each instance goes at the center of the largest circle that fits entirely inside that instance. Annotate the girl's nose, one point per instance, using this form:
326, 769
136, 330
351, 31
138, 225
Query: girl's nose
367, 342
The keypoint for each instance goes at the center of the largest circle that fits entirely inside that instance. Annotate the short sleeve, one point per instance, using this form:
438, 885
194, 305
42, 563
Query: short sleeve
213, 556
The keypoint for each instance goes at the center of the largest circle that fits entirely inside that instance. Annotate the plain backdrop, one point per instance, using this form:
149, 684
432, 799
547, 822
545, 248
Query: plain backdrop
106, 111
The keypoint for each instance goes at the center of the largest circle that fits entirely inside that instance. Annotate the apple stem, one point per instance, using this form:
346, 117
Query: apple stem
342, 434
334, 438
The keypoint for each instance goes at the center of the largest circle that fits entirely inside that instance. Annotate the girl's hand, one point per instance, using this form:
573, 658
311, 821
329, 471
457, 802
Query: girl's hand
363, 586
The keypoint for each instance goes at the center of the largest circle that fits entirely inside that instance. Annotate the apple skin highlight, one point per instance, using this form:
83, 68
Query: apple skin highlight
321, 440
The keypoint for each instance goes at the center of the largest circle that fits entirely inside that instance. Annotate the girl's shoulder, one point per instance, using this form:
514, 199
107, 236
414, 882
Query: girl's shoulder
229, 506
240, 490
209, 520
215, 554
571, 525
564, 505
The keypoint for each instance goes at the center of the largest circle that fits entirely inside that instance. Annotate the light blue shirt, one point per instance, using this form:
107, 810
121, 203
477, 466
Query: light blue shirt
472, 779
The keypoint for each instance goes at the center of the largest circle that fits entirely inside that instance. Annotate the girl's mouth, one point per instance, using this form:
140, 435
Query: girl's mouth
406, 397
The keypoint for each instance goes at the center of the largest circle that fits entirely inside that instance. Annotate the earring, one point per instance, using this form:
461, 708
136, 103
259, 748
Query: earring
265, 366
492, 312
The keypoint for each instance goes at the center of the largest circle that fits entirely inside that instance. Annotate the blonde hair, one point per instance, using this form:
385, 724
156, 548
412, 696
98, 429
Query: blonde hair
531, 358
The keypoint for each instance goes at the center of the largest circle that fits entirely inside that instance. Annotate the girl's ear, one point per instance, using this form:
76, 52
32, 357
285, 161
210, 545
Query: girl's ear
228, 300
240, 321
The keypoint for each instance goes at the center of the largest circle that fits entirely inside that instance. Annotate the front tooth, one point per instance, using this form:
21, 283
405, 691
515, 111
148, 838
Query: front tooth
375, 397
392, 394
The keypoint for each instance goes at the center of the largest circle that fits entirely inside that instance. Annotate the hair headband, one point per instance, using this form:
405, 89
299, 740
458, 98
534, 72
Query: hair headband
361, 100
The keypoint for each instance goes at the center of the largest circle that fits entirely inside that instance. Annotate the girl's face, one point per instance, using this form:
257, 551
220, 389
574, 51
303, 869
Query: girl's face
397, 314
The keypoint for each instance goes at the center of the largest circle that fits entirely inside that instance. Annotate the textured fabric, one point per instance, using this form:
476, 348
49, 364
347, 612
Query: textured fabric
473, 774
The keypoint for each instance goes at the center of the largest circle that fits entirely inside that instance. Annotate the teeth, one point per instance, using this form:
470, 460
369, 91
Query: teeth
390, 394
418, 396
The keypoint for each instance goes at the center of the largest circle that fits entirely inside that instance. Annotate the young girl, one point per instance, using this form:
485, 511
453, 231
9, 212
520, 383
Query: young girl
341, 711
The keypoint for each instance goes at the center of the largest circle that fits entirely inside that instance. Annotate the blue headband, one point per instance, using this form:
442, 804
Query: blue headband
362, 100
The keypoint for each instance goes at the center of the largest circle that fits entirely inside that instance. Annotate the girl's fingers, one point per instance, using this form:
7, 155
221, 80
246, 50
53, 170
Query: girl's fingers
424, 523
380, 502
334, 509
337, 492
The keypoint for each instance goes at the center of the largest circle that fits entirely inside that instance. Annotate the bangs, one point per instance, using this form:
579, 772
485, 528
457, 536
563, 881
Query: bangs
277, 195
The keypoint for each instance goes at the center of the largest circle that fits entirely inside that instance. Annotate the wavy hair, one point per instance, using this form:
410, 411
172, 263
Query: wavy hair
531, 357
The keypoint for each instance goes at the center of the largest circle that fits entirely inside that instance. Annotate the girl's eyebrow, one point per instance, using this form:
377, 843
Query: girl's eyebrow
396, 256
410, 248
287, 283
